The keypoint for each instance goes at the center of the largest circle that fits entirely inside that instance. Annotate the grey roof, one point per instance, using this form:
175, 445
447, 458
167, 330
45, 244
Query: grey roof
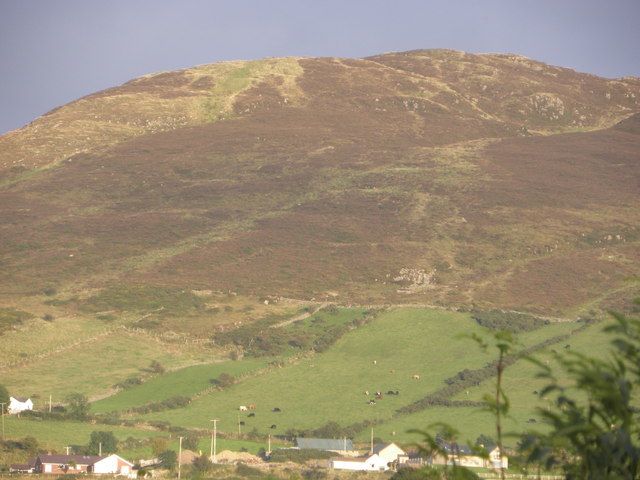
324, 443
455, 448
66, 459
378, 447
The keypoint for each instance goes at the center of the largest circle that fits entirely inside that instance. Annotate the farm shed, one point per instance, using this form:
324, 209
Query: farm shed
19, 404
372, 463
327, 444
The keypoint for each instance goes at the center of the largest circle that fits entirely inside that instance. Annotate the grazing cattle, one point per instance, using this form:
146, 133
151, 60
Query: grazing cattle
390, 392
366, 392
251, 415
372, 402
392, 371
243, 408
416, 377
397, 392
252, 406
241, 422
375, 362
276, 409
273, 426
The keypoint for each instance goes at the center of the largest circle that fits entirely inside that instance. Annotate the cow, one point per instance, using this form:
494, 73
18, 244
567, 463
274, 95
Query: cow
243, 408
416, 376
276, 409
273, 427
372, 402
366, 392
390, 392
251, 415
392, 371
375, 362
252, 406
242, 422
397, 392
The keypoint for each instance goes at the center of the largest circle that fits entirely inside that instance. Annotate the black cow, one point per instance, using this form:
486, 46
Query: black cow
390, 392
273, 426
276, 410
241, 422
251, 415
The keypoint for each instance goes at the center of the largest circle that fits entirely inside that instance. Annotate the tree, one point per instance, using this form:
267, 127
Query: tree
168, 459
190, 442
30, 444
156, 367
4, 395
224, 380
78, 406
106, 440
159, 445
595, 424
201, 464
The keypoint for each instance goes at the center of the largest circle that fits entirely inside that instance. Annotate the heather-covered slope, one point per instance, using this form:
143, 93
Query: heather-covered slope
417, 177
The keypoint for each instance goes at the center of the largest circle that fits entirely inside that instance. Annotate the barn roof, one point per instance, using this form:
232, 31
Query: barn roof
324, 443
20, 399
66, 459
378, 447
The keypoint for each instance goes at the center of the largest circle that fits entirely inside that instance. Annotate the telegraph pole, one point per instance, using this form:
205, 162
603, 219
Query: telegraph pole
239, 430
49, 403
2, 404
180, 457
371, 452
269, 446
214, 439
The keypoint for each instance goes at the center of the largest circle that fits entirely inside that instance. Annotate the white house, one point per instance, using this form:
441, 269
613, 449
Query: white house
18, 404
465, 457
389, 452
114, 465
63, 464
372, 463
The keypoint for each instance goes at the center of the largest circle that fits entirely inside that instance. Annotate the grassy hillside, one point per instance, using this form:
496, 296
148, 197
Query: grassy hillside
383, 355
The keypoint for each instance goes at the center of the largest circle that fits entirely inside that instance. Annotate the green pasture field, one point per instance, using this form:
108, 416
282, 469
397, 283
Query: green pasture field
93, 367
186, 381
59, 434
383, 355
520, 383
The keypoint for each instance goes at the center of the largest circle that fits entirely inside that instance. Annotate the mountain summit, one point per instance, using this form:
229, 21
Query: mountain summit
429, 176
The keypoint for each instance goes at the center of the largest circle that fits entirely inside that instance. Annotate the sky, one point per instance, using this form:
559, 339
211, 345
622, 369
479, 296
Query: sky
54, 51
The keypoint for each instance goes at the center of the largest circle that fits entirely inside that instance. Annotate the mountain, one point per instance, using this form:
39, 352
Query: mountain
422, 177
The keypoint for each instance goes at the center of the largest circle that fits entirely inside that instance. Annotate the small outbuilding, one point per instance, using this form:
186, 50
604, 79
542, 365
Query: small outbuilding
19, 404
390, 452
342, 446
372, 463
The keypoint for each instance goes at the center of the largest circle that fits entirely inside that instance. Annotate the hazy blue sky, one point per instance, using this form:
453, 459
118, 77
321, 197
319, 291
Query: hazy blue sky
53, 51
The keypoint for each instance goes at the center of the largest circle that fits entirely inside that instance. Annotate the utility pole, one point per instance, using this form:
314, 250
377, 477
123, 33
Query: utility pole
49, 403
214, 439
180, 457
2, 404
67, 450
239, 430
269, 446
371, 452
100, 448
